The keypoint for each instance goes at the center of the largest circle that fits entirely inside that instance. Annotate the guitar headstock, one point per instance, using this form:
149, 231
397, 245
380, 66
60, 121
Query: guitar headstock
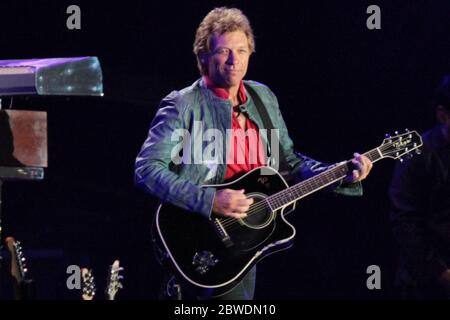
401, 144
24, 286
19, 268
88, 285
114, 280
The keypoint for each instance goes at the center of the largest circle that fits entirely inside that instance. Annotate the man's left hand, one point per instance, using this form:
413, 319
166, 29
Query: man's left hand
362, 168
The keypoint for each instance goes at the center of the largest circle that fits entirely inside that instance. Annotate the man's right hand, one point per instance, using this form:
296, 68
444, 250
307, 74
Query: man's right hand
231, 203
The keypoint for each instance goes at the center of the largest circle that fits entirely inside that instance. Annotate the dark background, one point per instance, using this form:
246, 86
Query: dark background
341, 87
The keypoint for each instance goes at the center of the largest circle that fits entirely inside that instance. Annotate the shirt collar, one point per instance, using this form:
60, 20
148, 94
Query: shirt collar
222, 93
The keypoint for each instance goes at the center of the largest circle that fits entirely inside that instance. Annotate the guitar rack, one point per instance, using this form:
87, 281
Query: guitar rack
23, 150
23, 134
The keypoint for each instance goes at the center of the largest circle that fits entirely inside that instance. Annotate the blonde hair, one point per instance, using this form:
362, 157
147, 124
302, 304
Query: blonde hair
219, 21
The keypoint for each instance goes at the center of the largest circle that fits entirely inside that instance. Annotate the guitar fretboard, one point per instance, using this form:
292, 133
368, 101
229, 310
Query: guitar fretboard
313, 184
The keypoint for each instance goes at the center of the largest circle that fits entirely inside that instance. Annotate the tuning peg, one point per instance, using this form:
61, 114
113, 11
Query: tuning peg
406, 130
396, 132
387, 135
401, 159
418, 151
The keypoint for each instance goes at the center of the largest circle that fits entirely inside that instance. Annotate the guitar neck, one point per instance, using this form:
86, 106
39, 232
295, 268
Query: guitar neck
313, 184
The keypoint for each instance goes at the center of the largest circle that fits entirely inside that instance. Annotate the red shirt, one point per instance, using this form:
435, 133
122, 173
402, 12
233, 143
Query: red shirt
246, 147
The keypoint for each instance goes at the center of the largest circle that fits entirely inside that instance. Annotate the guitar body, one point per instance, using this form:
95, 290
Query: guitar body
217, 253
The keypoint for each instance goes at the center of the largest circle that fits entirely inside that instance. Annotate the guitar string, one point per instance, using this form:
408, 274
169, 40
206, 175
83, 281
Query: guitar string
278, 196
264, 204
256, 209
226, 222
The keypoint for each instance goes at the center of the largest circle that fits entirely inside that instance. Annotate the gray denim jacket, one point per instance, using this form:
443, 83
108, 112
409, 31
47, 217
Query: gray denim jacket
185, 120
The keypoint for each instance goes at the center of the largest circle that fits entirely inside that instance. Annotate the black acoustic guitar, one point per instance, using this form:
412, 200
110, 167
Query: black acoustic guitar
216, 253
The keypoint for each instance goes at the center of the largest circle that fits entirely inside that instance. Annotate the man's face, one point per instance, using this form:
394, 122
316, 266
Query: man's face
228, 60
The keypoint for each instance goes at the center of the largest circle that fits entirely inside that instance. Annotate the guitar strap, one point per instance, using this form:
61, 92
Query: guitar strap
283, 167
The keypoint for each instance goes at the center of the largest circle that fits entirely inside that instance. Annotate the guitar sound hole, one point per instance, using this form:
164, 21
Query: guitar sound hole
259, 215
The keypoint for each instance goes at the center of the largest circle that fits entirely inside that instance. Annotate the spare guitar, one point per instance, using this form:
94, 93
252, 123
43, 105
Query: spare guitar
114, 280
87, 284
24, 286
216, 253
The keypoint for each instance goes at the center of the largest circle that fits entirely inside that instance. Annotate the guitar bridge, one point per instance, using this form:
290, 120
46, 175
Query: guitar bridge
222, 233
